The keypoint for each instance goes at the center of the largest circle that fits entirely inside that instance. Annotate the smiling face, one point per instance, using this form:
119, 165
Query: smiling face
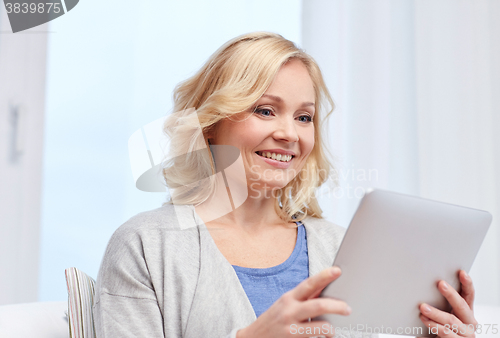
276, 137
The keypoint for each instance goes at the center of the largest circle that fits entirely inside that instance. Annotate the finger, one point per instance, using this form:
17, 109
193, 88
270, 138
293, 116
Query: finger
440, 317
436, 328
319, 306
460, 307
312, 329
467, 291
312, 286
335, 276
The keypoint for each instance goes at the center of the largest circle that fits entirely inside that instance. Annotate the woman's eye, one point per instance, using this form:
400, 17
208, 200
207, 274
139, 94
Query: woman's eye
305, 118
264, 111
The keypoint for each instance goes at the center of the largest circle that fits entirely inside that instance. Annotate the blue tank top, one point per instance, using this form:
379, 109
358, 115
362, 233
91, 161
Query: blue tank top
264, 286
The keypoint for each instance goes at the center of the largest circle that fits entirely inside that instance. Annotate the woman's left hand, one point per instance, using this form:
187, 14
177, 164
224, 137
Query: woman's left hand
460, 322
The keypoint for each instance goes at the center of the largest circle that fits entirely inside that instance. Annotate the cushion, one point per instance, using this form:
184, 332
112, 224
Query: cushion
40, 320
80, 302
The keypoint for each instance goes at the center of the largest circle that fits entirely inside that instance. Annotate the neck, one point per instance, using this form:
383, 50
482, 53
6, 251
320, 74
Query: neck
254, 214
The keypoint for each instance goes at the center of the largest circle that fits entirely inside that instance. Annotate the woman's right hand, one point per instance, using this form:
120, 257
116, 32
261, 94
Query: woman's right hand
289, 315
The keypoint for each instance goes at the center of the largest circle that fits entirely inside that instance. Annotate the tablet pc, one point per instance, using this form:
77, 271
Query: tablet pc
395, 251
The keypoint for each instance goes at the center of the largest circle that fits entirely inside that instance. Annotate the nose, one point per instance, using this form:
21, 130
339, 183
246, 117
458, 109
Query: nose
286, 130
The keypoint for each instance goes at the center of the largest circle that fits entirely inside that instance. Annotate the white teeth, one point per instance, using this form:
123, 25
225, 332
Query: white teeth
277, 157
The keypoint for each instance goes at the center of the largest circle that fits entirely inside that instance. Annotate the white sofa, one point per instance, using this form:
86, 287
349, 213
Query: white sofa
34, 320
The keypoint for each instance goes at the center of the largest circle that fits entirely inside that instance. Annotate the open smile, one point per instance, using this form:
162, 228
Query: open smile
275, 156
277, 160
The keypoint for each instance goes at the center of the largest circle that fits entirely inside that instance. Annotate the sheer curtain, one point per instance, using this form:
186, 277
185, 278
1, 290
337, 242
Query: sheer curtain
416, 85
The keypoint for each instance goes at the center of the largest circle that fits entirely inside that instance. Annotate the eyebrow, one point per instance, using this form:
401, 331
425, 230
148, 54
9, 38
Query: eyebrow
280, 100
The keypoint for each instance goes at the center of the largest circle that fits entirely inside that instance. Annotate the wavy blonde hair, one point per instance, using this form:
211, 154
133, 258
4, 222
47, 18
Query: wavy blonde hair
230, 82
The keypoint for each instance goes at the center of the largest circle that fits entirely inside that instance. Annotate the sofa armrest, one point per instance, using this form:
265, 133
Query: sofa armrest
41, 320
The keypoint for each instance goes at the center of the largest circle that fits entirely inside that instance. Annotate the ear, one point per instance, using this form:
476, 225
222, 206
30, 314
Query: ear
209, 135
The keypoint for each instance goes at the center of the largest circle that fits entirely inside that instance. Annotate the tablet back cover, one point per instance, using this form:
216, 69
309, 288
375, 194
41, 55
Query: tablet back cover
395, 251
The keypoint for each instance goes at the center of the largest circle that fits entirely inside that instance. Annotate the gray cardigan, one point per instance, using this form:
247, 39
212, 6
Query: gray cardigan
163, 276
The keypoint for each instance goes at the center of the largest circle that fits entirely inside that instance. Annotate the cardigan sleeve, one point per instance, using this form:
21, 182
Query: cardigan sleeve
125, 302
232, 334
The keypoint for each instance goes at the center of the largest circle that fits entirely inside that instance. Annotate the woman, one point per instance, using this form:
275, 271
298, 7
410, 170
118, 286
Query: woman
165, 275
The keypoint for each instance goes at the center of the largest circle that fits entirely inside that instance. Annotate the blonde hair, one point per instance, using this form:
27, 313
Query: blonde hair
230, 82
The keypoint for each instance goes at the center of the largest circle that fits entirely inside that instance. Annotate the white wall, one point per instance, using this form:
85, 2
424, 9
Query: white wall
22, 98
